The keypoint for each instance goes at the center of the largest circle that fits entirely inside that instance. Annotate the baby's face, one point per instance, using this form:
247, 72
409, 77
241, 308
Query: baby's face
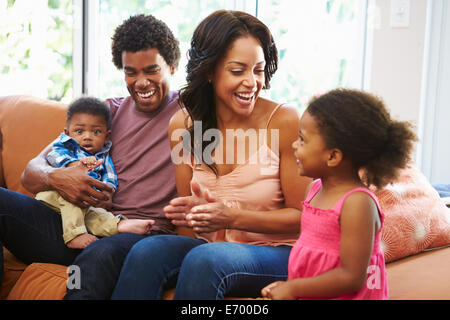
89, 130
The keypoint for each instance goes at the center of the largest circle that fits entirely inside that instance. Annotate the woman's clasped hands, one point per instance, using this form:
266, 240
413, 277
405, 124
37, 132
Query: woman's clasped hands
200, 211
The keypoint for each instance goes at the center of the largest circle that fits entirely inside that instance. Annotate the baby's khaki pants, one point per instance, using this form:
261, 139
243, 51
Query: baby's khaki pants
76, 221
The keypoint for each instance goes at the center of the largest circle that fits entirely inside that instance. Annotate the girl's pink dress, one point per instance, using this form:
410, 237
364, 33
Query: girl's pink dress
317, 249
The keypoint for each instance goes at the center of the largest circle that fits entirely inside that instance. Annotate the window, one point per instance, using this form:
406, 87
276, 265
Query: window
320, 42
320, 45
433, 143
36, 48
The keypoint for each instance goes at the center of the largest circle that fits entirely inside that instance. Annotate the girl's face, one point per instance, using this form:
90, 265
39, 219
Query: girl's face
310, 149
239, 77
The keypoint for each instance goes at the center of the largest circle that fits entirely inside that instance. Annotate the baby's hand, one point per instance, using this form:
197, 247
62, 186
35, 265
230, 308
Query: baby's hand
91, 162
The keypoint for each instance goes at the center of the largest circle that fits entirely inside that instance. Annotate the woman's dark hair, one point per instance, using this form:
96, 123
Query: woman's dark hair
142, 32
210, 42
359, 124
90, 105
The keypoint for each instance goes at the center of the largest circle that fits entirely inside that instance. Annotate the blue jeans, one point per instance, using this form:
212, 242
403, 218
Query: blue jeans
33, 233
31, 230
201, 270
100, 265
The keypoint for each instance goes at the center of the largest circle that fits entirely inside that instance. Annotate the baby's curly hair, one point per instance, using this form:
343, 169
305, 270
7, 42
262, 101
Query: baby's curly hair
89, 105
359, 124
141, 32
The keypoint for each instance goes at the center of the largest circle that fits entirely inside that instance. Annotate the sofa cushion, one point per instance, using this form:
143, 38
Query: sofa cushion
41, 281
422, 276
13, 268
415, 217
20, 120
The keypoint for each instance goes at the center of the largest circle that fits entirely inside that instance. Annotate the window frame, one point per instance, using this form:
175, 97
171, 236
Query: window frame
432, 150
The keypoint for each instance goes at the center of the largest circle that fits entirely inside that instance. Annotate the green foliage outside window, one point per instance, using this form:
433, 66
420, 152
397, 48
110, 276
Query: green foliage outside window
36, 48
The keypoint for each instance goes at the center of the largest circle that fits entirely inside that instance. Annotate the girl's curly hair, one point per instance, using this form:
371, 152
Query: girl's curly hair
141, 32
359, 124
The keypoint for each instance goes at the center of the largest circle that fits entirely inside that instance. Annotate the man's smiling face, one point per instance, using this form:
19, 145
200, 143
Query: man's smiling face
147, 78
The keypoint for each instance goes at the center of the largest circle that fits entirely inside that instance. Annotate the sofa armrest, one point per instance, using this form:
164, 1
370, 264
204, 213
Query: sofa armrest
27, 125
13, 269
2, 179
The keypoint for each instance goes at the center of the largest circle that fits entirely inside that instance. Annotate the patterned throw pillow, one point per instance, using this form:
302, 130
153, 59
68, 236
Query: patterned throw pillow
416, 218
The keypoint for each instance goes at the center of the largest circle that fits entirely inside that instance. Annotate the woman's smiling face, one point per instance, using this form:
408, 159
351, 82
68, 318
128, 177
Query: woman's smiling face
239, 77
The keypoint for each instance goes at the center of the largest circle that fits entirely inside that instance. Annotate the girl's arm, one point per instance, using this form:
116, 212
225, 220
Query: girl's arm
358, 222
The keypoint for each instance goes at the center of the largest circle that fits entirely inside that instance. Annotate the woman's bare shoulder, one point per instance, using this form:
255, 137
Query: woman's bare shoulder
180, 120
285, 115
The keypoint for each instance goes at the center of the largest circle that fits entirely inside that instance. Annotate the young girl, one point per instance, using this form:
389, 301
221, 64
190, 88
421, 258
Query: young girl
347, 141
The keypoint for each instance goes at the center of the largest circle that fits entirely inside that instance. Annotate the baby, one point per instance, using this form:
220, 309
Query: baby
85, 142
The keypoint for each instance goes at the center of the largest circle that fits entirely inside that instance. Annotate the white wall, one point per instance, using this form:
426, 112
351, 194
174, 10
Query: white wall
397, 54
409, 68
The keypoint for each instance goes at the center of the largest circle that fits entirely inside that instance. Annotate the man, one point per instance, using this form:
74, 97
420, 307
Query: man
147, 51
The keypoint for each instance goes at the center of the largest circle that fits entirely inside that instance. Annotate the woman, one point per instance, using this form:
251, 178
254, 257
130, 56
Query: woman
241, 201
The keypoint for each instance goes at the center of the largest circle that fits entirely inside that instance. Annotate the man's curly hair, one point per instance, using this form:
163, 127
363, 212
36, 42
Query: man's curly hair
142, 32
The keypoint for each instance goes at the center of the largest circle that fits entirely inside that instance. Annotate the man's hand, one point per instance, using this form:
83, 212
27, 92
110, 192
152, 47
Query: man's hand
106, 204
76, 186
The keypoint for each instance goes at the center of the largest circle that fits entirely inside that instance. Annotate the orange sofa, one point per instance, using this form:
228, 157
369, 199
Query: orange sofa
28, 124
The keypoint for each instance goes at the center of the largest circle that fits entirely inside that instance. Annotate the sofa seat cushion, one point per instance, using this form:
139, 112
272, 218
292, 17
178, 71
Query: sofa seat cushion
46, 281
424, 276
41, 281
13, 269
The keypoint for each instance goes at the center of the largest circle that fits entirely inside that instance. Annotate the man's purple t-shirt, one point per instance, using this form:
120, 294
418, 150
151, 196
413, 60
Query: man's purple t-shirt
141, 155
